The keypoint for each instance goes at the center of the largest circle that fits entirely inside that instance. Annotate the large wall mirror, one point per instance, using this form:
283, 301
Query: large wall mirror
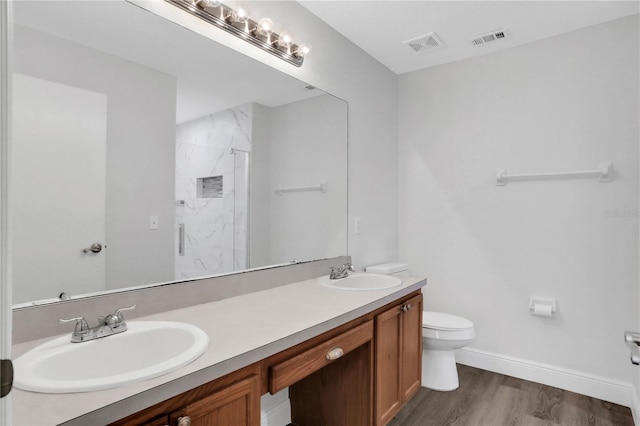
145, 153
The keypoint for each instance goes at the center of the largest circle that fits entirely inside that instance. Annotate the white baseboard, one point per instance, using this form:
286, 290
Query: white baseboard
636, 411
279, 415
575, 381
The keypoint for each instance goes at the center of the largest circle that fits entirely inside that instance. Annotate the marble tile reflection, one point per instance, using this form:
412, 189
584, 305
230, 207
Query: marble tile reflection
215, 239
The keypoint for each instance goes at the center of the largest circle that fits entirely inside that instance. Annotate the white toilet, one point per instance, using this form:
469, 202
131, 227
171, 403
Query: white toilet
441, 335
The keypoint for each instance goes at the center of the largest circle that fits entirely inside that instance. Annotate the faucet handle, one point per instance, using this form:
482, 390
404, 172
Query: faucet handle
334, 271
119, 311
82, 325
116, 319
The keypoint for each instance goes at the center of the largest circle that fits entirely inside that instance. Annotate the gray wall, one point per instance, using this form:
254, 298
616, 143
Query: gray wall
298, 144
308, 145
140, 154
260, 188
562, 104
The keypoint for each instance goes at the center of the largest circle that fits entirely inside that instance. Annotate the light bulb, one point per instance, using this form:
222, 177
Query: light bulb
265, 26
285, 39
240, 14
207, 3
303, 49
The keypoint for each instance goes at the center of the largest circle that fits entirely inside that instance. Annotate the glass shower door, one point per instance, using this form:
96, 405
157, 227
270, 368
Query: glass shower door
241, 167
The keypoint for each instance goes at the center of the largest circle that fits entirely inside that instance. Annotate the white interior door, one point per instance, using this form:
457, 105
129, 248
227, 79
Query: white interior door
58, 157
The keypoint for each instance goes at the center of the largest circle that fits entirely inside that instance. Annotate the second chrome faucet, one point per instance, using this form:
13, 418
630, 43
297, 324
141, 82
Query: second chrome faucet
340, 271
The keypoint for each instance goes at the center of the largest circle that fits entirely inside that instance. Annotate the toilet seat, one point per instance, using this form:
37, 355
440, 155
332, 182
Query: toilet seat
445, 322
457, 335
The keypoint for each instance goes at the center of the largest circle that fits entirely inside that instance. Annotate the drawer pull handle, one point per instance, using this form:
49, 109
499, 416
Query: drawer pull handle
184, 421
334, 353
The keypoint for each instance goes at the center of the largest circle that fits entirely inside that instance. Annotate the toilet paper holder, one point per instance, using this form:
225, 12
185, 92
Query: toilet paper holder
543, 307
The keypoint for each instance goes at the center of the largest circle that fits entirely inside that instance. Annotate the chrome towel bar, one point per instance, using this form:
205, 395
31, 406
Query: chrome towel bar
604, 173
322, 187
632, 339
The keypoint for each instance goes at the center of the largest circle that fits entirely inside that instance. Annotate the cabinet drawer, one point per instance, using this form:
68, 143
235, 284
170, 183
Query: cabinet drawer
300, 366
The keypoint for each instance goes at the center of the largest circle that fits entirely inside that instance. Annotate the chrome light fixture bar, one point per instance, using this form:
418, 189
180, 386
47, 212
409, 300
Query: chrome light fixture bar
237, 22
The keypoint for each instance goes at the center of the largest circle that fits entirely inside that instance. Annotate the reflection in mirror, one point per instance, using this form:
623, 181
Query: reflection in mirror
145, 153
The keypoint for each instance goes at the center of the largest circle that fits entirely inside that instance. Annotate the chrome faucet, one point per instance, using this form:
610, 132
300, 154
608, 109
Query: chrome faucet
340, 271
111, 324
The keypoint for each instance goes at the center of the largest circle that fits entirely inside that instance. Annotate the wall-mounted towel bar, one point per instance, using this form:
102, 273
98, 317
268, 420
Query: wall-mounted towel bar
632, 339
604, 173
322, 187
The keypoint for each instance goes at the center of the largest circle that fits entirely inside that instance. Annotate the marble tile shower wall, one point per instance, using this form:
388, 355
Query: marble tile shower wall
215, 228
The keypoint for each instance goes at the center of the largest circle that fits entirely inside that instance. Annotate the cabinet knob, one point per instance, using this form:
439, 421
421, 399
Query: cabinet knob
184, 421
406, 308
334, 353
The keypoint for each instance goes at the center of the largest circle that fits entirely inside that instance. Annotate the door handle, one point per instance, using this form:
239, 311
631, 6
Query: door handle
632, 339
6, 375
95, 248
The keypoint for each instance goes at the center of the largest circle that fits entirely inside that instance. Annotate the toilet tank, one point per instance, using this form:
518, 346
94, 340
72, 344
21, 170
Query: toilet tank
392, 268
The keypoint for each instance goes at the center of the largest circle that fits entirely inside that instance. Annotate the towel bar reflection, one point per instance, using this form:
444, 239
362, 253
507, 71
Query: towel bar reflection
604, 173
322, 187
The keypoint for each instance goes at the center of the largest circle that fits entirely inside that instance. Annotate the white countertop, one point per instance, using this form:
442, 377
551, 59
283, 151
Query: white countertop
242, 330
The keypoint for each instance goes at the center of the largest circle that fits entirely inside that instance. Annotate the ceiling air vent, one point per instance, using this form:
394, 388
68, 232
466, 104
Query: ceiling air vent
424, 42
489, 37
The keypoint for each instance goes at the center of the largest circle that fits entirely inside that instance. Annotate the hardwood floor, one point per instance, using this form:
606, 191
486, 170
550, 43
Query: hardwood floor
490, 399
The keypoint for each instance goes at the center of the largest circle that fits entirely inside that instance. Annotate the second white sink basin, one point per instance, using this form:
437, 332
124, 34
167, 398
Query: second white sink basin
361, 281
147, 349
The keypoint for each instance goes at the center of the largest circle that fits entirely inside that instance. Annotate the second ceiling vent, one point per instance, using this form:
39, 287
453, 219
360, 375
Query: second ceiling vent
424, 42
489, 37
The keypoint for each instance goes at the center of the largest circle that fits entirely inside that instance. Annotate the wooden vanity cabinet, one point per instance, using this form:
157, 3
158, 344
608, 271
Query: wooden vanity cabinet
238, 404
398, 354
358, 374
330, 383
231, 400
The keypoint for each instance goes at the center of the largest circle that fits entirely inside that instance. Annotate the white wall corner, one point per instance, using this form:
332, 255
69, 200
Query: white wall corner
621, 393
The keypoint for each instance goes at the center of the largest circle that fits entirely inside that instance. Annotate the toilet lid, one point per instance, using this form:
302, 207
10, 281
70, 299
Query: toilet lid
442, 321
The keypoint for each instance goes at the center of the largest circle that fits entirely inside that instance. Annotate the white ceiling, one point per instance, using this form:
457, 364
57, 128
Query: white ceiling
379, 27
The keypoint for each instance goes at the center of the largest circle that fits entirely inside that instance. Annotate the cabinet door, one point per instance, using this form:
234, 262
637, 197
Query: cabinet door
235, 405
411, 364
388, 363
398, 357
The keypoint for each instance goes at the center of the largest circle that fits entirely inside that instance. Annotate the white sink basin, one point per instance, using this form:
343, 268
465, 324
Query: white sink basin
361, 281
147, 349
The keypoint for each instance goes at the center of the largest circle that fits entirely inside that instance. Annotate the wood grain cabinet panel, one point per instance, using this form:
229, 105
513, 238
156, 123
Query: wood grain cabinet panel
398, 355
340, 394
300, 366
235, 405
233, 400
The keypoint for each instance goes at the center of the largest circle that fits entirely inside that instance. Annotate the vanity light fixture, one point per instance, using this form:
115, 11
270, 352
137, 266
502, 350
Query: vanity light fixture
238, 22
